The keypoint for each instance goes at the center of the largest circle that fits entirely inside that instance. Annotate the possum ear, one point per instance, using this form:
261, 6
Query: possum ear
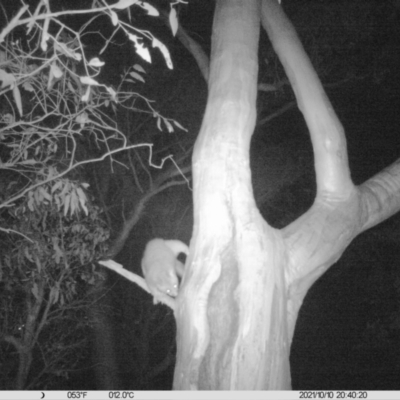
179, 268
177, 247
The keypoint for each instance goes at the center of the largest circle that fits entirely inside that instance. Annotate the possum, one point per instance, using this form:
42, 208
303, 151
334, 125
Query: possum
161, 267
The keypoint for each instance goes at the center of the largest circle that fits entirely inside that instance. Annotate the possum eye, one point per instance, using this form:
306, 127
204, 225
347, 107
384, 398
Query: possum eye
172, 291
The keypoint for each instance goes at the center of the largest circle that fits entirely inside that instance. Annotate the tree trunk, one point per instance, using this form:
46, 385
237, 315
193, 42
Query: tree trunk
245, 281
231, 320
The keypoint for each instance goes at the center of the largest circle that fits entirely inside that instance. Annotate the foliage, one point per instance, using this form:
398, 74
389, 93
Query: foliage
44, 273
56, 237
53, 107
52, 103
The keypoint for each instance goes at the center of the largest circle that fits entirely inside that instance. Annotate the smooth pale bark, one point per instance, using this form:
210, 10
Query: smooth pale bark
246, 281
235, 285
340, 211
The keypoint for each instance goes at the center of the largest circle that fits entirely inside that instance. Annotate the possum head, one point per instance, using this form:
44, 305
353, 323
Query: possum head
167, 282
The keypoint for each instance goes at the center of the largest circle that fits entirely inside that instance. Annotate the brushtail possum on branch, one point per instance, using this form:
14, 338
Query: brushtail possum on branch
161, 267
